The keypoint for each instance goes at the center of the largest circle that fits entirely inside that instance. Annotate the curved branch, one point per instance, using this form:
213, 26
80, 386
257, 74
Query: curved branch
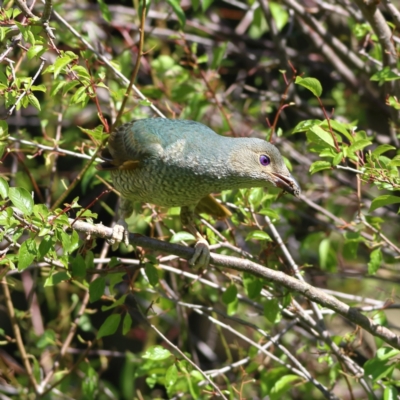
238, 264
379, 25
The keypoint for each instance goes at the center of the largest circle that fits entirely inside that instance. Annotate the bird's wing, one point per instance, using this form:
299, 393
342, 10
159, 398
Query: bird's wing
209, 205
128, 145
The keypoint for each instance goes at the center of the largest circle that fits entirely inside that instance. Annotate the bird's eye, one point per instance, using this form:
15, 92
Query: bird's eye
264, 160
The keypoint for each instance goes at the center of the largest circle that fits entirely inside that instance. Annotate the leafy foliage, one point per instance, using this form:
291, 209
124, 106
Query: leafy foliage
83, 320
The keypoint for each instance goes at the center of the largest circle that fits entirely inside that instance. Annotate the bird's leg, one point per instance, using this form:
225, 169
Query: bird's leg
201, 257
120, 229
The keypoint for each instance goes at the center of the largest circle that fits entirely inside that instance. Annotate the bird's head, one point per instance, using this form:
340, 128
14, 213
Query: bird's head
260, 164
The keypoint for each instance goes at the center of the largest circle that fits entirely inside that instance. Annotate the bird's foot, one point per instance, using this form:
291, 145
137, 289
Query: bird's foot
201, 256
120, 233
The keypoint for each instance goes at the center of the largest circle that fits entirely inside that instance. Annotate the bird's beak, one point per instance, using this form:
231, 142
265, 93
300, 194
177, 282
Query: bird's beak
287, 183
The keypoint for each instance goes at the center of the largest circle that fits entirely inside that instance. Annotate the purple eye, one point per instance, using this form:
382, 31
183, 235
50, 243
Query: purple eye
264, 160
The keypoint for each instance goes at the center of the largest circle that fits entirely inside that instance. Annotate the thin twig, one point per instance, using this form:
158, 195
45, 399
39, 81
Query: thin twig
135, 69
107, 62
183, 355
17, 334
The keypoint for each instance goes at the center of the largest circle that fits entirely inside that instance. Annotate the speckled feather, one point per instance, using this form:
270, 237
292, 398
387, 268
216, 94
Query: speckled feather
179, 162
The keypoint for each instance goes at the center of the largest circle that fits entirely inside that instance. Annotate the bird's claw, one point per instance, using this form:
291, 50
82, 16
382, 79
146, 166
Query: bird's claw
120, 233
201, 256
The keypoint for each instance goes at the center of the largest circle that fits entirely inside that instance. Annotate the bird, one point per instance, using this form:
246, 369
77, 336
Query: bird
180, 163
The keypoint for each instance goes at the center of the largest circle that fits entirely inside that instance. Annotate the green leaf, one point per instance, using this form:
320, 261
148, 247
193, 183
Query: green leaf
67, 86
196, 375
194, 388
56, 278
392, 101
80, 96
218, 55
21, 199
258, 25
270, 213
82, 73
230, 294
44, 247
182, 236
152, 274
312, 84
126, 324
26, 254
283, 385
279, 13
105, 12
375, 261
145, 102
58, 85
383, 148
89, 259
339, 127
48, 338
271, 310
78, 266
317, 134
232, 307
323, 252
252, 285
61, 62
35, 50
90, 382
386, 74
255, 197
96, 289
205, 4
395, 162
157, 353
109, 326
115, 303
195, 4
4, 188
380, 318
319, 166
176, 6
258, 235
327, 255
337, 159
350, 248
381, 201
359, 145
96, 133
39, 88
34, 101
3, 130
171, 376
390, 393
380, 366
304, 126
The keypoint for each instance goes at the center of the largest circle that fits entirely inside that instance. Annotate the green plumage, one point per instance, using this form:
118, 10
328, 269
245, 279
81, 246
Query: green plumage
178, 163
